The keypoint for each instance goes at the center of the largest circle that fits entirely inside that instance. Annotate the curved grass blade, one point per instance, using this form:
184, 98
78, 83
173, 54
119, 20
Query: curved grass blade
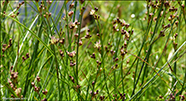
32, 33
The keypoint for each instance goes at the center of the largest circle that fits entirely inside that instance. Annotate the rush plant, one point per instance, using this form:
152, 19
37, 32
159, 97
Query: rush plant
92, 50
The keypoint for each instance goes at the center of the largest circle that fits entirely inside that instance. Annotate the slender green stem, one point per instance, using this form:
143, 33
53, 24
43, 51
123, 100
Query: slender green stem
150, 48
77, 50
144, 38
183, 86
67, 22
157, 72
26, 15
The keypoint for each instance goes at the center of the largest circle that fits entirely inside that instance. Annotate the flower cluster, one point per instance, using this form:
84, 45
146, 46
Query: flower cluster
37, 89
5, 46
27, 56
14, 82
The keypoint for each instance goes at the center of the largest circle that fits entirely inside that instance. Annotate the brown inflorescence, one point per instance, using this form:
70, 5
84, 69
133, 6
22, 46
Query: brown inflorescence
5, 47
13, 83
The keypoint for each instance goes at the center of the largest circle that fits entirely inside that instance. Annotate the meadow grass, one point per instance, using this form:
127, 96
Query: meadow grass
128, 50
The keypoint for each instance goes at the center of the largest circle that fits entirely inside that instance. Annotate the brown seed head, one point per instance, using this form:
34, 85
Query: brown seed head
38, 79
33, 84
27, 55
70, 13
96, 9
71, 5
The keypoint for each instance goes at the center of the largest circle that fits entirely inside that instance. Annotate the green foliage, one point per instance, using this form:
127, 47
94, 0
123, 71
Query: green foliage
93, 50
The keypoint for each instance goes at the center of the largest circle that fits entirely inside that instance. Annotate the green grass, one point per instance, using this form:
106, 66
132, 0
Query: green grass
131, 50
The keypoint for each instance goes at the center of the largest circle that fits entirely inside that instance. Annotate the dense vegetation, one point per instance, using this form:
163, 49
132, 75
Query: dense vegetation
93, 50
